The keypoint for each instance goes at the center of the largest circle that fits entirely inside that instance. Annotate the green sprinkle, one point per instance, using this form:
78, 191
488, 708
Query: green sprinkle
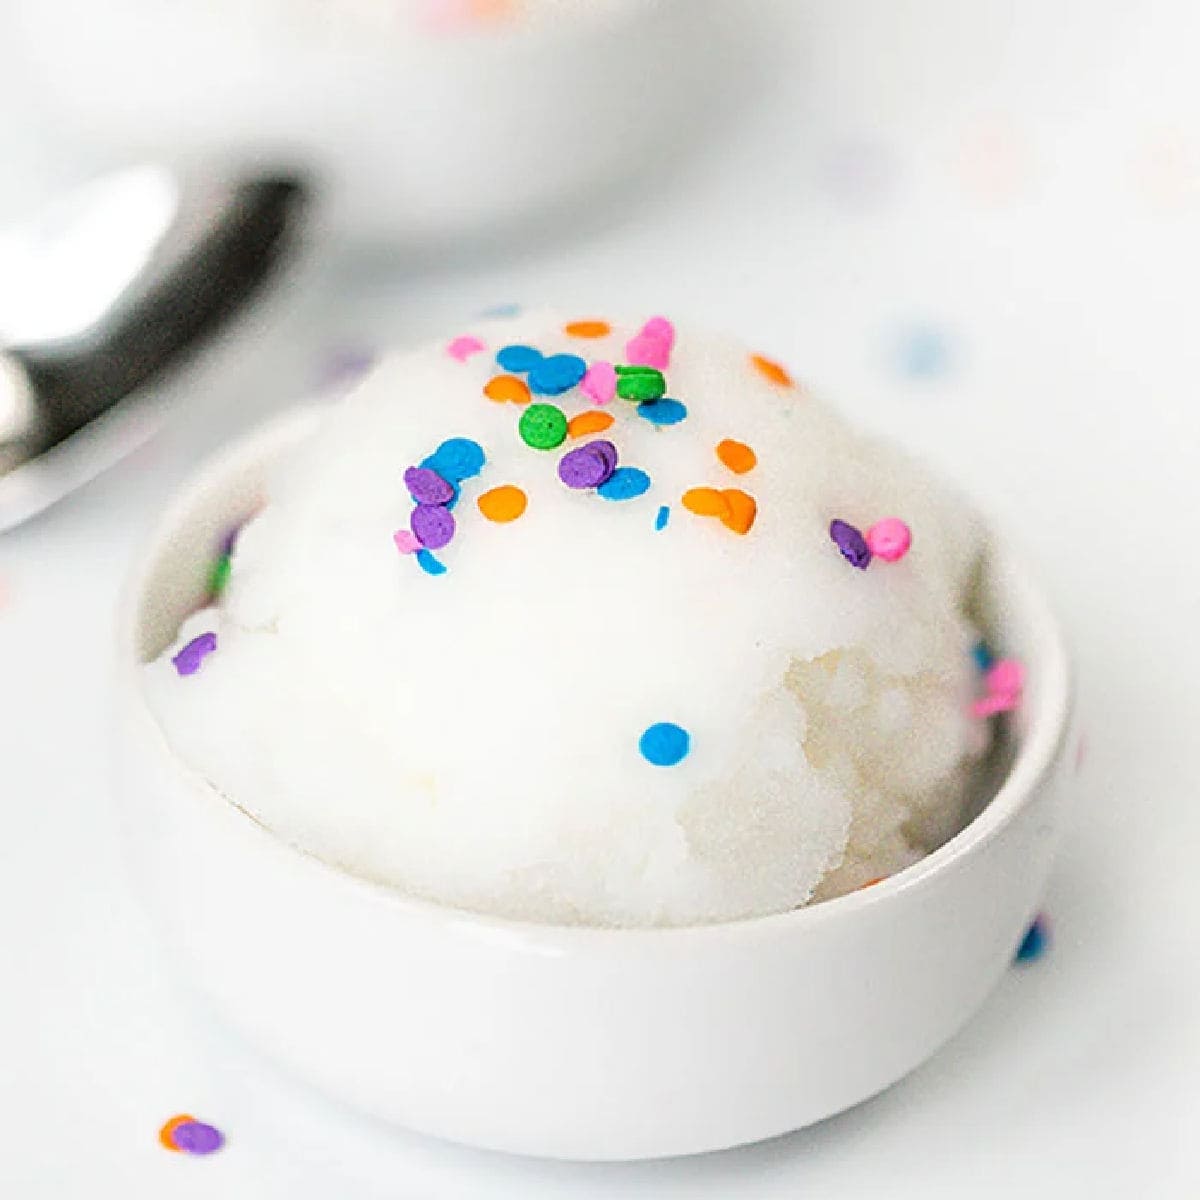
543, 426
218, 577
640, 383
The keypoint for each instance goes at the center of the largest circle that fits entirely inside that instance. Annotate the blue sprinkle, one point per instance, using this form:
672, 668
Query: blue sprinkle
625, 483
518, 358
429, 564
984, 658
554, 375
457, 459
662, 412
501, 310
924, 352
1033, 944
665, 744
664, 515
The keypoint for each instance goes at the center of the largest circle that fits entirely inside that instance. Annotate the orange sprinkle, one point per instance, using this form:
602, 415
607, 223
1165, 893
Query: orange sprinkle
737, 456
502, 504
741, 510
772, 370
166, 1132
593, 421
871, 883
589, 329
706, 502
505, 388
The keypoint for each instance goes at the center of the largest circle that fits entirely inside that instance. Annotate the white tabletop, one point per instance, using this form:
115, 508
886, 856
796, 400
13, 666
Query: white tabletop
978, 226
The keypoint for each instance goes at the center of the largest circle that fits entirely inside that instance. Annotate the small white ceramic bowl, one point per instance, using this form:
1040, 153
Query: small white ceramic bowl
573, 1042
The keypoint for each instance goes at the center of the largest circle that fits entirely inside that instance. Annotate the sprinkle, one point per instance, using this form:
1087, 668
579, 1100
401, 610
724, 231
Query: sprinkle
195, 1137
188, 660
502, 504
588, 466
1005, 678
663, 412
640, 383
508, 309
507, 389
993, 705
433, 525
889, 539
406, 541
1036, 940
218, 577
982, 655
924, 352
588, 329
625, 483
600, 382
589, 422
543, 426
665, 744
740, 510
772, 370
429, 564
229, 539
463, 347
851, 543
705, 502
651, 346
343, 367
426, 486
737, 456
662, 517
862, 887
518, 358
166, 1135
457, 459
556, 374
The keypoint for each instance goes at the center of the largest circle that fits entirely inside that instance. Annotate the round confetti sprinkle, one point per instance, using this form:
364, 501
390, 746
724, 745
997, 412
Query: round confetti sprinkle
588, 329
189, 658
589, 422
195, 1137
982, 655
406, 541
556, 374
640, 383
1036, 940
429, 564
740, 510
1005, 678
663, 412
771, 370
662, 517
705, 502
503, 504
737, 456
433, 525
463, 347
889, 539
625, 483
543, 426
851, 543
600, 382
518, 358
507, 389
665, 744
589, 466
166, 1135
426, 486
218, 577
457, 459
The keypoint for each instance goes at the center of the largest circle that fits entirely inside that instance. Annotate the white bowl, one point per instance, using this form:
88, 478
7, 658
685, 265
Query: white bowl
573, 1042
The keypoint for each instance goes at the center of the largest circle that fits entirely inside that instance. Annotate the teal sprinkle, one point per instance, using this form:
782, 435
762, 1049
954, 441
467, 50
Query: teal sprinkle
625, 483
429, 564
984, 658
664, 515
663, 412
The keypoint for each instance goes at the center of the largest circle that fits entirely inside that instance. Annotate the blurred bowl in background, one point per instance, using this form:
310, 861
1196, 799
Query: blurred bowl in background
423, 121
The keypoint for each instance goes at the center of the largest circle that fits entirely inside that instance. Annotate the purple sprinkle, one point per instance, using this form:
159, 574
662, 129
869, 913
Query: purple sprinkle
188, 660
589, 466
851, 543
229, 540
433, 525
426, 486
194, 1137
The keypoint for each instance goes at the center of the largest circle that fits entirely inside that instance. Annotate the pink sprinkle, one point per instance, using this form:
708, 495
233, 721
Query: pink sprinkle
600, 382
889, 539
1006, 679
406, 541
464, 346
651, 347
989, 706
661, 328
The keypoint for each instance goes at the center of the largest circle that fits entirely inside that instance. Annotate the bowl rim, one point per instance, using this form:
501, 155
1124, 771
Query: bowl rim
1040, 751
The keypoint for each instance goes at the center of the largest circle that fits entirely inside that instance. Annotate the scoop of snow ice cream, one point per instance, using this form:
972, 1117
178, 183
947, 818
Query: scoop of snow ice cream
548, 621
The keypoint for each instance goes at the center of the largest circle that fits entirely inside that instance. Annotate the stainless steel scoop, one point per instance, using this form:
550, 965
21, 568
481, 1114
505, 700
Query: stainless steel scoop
104, 299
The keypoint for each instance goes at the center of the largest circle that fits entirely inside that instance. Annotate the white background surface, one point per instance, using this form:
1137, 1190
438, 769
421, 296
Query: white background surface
1015, 183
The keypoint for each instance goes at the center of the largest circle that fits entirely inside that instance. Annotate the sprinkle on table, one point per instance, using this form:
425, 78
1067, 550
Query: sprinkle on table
664, 744
218, 576
889, 539
1036, 940
429, 563
983, 656
662, 412
587, 329
519, 359
461, 348
640, 383
772, 370
426, 486
851, 543
705, 502
625, 483
737, 456
662, 517
588, 466
191, 656
503, 504
651, 345
507, 389
543, 427
185, 1135
457, 459
433, 525
591, 421
741, 509
555, 374
406, 541
1004, 684
599, 382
